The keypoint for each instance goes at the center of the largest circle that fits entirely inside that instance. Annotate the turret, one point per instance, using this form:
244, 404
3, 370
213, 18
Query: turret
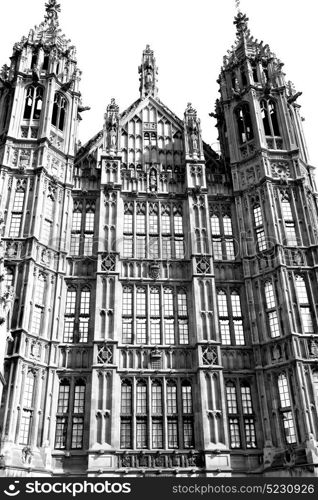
148, 74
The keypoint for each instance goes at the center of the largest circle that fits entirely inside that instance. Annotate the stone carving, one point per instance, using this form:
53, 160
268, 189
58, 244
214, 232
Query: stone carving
105, 354
210, 356
108, 262
203, 265
154, 270
111, 127
192, 127
26, 455
280, 169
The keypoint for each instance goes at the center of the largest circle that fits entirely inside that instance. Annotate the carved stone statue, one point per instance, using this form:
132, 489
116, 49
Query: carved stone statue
111, 127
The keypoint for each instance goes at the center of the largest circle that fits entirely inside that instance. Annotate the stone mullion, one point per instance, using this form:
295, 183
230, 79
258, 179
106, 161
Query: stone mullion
284, 292
70, 415
46, 307
301, 401
149, 413
17, 403
180, 414
299, 211
11, 192
50, 407
133, 417
115, 409
37, 392
164, 414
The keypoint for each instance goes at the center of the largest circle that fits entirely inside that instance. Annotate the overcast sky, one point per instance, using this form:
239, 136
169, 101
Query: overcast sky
189, 39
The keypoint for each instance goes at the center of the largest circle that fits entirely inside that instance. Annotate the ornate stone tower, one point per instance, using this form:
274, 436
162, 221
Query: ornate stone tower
39, 101
276, 216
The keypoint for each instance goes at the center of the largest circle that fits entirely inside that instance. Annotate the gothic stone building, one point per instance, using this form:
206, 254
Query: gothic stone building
158, 300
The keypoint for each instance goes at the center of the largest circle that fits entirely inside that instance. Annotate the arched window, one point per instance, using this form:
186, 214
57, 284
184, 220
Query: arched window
141, 412
244, 123
224, 320
269, 117
156, 398
315, 381
232, 408
38, 309
259, 228
126, 415
59, 111
6, 106
33, 102
304, 305
78, 416
186, 398
271, 310
27, 409
84, 314
231, 398
62, 415
126, 400
69, 315
9, 276
285, 404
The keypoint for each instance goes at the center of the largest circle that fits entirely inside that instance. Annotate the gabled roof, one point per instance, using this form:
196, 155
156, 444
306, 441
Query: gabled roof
126, 115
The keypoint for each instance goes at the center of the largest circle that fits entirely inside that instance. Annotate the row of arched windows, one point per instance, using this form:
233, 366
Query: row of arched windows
269, 118
156, 414
34, 102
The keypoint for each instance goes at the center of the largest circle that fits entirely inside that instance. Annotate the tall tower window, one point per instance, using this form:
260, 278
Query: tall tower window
167, 309
304, 305
222, 237
48, 220
270, 124
271, 310
33, 102
82, 233
27, 409
59, 111
78, 416
291, 237
230, 318
38, 309
244, 123
77, 313
285, 405
241, 415
259, 228
17, 211
142, 224
70, 415
150, 421
62, 415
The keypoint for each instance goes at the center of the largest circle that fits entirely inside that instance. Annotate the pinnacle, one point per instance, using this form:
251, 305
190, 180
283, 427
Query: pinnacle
52, 9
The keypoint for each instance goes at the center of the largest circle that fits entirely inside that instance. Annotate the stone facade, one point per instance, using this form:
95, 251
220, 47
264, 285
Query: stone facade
158, 299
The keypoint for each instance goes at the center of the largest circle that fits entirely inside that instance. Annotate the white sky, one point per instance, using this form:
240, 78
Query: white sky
189, 39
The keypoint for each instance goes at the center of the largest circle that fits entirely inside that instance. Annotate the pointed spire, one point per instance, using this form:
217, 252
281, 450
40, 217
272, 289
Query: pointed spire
52, 9
148, 74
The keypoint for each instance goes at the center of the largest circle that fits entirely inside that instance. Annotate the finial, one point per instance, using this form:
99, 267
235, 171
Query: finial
148, 74
240, 21
52, 9
238, 5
